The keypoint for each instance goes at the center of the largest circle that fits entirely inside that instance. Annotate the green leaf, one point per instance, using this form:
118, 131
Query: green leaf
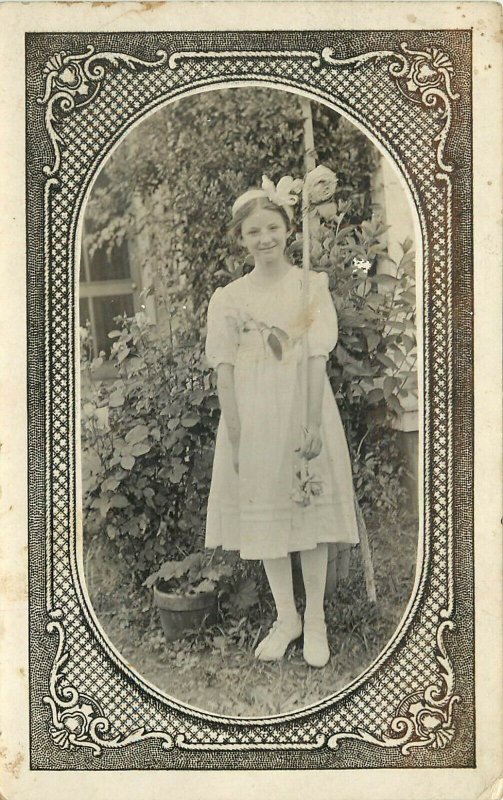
103, 504
204, 586
110, 485
246, 594
135, 364
215, 572
341, 354
96, 363
409, 297
176, 474
351, 320
116, 399
375, 395
170, 440
189, 420
409, 342
397, 325
372, 338
140, 448
197, 397
127, 462
137, 434
119, 501
112, 531
394, 404
123, 354
386, 360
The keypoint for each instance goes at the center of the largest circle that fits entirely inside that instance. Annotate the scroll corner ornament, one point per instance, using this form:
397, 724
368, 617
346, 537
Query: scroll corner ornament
73, 81
77, 719
423, 718
423, 76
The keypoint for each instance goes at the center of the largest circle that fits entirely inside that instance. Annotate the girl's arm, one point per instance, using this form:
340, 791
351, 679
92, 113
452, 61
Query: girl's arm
316, 379
229, 406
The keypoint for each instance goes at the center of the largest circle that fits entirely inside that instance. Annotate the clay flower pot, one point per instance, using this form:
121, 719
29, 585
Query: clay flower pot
186, 591
182, 613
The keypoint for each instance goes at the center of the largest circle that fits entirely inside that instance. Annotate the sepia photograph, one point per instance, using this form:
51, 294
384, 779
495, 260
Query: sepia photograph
247, 462
250, 423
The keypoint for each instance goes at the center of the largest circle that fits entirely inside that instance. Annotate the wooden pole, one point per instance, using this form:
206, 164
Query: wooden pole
309, 164
309, 151
368, 567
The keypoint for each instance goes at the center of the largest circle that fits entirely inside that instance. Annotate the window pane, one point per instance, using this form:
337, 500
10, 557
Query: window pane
107, 265
105, 310
82, 270
84, 313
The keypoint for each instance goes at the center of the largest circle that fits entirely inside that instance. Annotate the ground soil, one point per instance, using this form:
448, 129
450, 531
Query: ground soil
216, 671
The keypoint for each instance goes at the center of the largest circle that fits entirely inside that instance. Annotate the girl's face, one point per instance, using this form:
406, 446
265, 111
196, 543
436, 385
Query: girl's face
264, 235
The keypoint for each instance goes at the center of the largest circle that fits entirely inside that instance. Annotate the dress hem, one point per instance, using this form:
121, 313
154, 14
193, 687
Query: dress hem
276, 555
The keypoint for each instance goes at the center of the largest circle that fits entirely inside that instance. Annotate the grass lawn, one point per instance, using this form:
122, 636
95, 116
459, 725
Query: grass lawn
216, 671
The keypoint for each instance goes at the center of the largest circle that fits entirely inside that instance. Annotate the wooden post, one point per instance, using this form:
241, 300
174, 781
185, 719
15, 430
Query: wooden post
368, 567
338, 557
309, 164
309, 151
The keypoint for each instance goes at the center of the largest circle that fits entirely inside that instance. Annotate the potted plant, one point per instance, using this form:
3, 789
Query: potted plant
185, 592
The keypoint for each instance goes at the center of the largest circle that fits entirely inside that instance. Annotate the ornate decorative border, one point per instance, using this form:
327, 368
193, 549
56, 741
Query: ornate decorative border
73, 81
423, 718
76, 719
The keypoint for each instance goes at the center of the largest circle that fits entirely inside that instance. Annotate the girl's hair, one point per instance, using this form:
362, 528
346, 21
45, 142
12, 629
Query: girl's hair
248, 208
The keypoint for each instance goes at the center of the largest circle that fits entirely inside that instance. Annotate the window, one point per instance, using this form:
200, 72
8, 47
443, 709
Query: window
109, 287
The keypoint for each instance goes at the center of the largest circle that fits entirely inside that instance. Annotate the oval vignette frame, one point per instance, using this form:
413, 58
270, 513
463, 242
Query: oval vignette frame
402, 627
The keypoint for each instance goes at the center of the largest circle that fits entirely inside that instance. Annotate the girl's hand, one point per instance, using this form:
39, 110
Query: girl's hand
311, 446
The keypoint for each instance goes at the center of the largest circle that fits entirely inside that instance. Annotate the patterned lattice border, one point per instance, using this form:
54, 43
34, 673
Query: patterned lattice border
420, 709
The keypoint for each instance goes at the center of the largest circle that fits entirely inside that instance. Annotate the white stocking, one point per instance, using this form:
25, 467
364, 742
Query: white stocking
314, 573
279, 575
288, 626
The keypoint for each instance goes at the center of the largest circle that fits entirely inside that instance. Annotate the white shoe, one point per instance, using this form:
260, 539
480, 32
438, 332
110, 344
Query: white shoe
275, 644
316, 650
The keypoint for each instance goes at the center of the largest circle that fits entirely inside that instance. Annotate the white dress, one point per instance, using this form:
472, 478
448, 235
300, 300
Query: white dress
254, 511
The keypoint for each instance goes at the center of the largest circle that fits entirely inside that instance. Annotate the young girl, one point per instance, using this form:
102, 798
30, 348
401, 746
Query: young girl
256, 505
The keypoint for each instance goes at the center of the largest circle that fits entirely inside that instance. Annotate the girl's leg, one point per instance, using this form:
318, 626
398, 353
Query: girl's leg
279, 575
314, 573
288, 625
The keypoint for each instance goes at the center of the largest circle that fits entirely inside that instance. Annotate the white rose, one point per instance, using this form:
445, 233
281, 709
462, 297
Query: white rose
320, 184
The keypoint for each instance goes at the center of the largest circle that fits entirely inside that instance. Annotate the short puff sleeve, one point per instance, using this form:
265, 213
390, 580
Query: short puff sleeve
222, 332
323, 330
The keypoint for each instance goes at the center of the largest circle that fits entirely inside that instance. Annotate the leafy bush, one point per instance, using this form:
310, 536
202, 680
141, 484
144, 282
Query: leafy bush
147, 441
